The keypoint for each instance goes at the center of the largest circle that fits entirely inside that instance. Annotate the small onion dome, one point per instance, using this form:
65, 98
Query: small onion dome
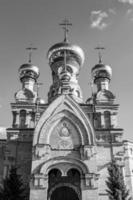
101, 71
75, 51
29, 70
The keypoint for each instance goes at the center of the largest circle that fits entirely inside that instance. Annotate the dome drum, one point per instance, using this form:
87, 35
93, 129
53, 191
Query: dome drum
72, 67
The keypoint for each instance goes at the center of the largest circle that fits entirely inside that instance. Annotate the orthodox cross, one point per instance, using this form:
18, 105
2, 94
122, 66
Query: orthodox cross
65, 24
99, 48
30, 49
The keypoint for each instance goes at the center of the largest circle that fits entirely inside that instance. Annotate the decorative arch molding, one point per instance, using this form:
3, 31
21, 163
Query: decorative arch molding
64, 107
54, 163
67, 117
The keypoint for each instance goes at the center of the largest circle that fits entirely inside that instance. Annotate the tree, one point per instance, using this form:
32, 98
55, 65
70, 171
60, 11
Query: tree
13, 187
116, 187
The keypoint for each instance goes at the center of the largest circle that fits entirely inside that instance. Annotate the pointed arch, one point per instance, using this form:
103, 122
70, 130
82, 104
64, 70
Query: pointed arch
64, 108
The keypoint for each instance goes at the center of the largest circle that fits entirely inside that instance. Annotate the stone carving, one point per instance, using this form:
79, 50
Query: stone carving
64, 132
42, 151
87, 152
64, 144
65, 139
91, 180
38, 181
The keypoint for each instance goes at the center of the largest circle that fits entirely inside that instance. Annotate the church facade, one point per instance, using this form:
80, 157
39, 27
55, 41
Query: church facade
63, 147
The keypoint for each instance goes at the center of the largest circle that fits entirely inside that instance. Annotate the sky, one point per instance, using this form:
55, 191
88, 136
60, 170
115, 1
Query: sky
108, 23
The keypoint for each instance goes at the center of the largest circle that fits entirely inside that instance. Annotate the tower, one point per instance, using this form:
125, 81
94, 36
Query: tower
108, 135
24, 110
64, 148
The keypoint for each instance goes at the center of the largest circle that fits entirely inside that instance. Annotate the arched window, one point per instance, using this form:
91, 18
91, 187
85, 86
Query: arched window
74, 176
22, 118
54, 176
32, 121
97, 120
107, 119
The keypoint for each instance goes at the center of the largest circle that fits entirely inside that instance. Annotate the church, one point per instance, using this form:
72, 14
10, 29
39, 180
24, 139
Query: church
63, 147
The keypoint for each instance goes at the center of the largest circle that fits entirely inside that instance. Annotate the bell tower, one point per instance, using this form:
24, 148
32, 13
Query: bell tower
108, 135
24, 111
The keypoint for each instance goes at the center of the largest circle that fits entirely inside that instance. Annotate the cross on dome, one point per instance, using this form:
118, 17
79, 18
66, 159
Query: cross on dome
99, 48
65, 24
30, 49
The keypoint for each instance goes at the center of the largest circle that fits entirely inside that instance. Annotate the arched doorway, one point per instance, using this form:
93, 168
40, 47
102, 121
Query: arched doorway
64, 193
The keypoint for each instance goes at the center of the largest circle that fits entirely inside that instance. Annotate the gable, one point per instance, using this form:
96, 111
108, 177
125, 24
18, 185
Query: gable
64, 124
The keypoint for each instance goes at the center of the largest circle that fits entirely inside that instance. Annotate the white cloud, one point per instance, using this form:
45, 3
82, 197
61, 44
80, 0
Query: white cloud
112, 11
126, 1
129, 11
97, 18
130, 14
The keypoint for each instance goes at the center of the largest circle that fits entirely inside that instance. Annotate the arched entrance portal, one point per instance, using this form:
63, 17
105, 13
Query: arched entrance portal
64, 193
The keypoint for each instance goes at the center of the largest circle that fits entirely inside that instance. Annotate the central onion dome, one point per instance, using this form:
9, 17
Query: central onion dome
56, 52
65, 60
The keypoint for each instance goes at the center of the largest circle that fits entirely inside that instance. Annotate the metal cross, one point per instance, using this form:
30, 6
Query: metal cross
30, 49
99, 53
65, 24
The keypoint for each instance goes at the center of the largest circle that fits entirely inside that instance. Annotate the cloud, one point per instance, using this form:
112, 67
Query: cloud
97, 18
126, 1
130, 14
112, 11
129, 11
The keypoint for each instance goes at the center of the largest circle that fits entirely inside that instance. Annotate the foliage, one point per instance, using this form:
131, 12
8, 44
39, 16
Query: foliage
13, 187
116, 187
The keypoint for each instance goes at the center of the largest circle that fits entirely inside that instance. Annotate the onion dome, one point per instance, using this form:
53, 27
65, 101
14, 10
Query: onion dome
65, 60
101, 71
28, 70
28, 74
56, 52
